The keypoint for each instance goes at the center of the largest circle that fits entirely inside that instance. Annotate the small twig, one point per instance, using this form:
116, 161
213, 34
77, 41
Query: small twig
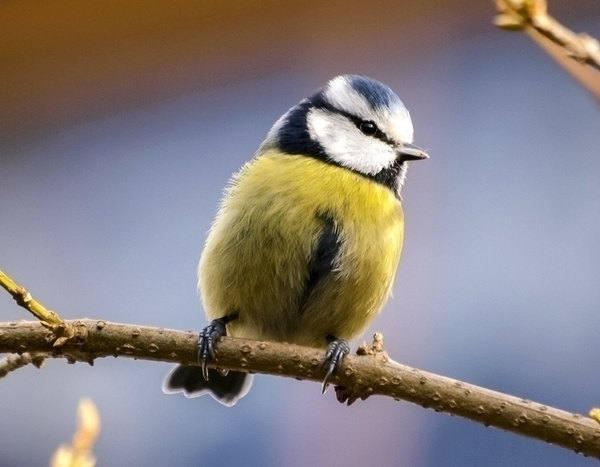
14, 362
361, 376
579, 54
62, 331
518, 14
25, 300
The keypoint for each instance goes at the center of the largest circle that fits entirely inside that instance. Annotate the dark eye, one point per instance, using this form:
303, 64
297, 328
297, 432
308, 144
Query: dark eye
368, 127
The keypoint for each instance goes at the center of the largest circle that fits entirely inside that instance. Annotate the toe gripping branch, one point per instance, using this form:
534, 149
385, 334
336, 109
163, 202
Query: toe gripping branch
336, 351
207, 339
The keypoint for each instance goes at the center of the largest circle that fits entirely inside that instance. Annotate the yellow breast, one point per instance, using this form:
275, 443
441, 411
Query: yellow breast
255, 261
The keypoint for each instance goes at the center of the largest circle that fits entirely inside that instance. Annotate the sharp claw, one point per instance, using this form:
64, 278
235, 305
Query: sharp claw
204, 369
211, 347
336, 352
206, 343
202, 354
330, 371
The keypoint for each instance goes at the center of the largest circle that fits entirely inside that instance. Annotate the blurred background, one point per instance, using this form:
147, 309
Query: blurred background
121, 122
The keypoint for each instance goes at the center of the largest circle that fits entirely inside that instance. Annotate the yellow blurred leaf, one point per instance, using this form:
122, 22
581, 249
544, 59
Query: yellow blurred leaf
595, 414
79, 454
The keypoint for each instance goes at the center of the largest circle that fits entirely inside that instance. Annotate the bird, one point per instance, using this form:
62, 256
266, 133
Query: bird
308, 236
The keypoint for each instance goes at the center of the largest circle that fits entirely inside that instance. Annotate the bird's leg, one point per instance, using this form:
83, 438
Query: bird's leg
336, 351
207, 339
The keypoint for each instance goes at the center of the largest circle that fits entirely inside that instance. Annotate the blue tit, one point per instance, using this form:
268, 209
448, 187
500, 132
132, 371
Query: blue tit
307, 240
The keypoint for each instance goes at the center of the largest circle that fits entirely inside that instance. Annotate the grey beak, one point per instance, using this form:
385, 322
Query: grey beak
410, 152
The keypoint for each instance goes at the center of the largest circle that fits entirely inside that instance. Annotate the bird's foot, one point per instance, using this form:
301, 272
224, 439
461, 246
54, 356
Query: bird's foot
206, 343
336, 351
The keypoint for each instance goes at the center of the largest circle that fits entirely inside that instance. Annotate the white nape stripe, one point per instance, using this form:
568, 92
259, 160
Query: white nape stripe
347, 145
343, 96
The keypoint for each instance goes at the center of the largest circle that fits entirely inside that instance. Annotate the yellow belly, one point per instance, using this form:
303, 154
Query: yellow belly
256, 258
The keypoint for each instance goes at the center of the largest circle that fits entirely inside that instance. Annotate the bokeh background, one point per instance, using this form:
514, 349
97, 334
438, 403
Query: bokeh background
120, 123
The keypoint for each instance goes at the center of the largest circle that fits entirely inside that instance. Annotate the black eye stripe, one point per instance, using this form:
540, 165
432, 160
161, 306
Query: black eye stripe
372, 130
380, 135
377, 133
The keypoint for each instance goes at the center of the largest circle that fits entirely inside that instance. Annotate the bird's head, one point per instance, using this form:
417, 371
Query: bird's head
355, 122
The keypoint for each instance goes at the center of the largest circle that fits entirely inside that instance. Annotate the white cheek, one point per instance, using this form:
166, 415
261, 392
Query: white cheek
346, 145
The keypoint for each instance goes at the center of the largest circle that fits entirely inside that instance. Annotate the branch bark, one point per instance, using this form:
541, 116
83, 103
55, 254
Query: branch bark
578, 54
360, 376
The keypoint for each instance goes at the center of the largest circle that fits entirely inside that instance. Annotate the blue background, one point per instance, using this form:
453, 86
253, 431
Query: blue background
498, 286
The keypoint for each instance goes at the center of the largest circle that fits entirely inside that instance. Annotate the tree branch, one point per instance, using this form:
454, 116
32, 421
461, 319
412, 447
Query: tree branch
14, 362
579, 54
25, 300
359, 376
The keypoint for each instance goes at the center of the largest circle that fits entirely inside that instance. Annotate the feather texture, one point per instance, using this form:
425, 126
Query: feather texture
260, 253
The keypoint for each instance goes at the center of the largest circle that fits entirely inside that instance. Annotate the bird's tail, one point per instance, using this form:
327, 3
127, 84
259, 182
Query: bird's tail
225, 387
